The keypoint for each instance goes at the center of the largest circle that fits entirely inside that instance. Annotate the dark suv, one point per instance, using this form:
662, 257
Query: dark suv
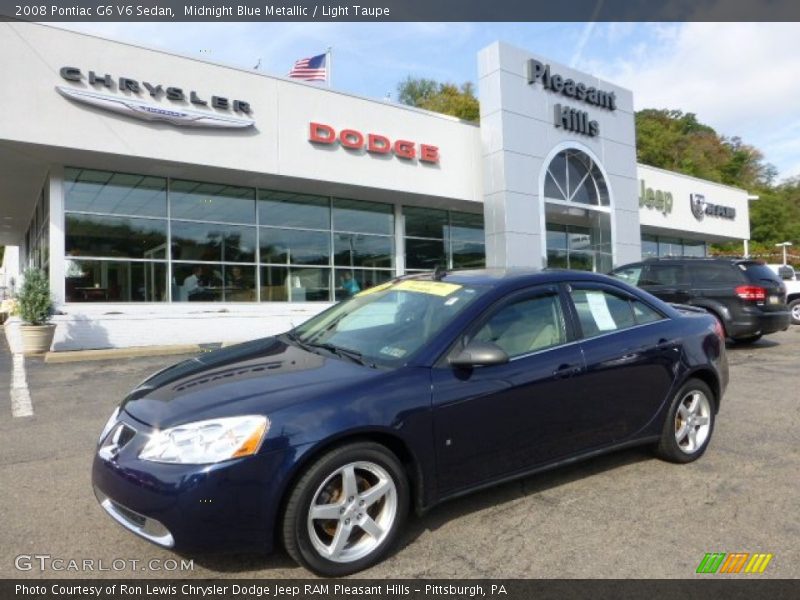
745, 295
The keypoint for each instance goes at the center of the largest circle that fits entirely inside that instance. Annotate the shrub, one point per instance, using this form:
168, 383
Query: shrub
34, 304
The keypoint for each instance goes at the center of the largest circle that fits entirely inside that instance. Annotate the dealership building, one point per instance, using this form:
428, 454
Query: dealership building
173, 200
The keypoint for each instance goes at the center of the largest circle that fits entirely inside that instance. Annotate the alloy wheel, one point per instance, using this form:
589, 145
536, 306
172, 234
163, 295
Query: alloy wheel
352, 512
692, 421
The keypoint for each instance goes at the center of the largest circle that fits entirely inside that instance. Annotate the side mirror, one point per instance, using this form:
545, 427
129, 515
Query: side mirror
479, 354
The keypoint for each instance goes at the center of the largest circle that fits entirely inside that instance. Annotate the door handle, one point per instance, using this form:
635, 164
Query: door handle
565, 371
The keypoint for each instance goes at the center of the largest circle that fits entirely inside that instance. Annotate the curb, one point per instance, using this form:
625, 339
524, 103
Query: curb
67, 356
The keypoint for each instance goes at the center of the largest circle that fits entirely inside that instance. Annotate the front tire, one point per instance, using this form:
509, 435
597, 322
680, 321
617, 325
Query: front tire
689, 423
346, 510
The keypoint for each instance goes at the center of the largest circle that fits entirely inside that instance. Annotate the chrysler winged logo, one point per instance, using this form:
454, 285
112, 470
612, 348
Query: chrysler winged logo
147, 111
698, 205
701, 207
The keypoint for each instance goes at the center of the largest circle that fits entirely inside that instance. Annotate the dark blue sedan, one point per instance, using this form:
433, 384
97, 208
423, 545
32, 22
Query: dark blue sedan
405, 395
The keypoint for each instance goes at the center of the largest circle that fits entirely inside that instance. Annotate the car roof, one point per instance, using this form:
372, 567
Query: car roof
511, 277
700, 259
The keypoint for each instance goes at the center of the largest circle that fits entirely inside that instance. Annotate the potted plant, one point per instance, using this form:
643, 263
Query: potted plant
35, 308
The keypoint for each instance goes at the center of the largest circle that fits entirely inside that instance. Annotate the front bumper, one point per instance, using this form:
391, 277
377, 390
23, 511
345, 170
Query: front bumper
225, 506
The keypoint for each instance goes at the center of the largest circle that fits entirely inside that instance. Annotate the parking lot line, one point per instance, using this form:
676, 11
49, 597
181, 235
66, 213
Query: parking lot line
21, 405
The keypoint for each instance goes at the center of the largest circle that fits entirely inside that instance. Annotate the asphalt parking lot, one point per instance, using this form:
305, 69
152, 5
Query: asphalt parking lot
626, 515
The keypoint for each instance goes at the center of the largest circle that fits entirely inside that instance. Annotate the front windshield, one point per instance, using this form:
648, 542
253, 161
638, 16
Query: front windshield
387, 324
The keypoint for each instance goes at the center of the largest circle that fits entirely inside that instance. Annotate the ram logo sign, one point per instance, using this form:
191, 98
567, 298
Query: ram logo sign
734, 562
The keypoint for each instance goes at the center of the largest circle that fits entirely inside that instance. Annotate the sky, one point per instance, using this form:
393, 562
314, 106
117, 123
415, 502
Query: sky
740, 78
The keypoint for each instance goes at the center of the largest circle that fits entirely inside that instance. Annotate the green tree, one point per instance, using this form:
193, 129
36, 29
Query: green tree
677, 141
446, 98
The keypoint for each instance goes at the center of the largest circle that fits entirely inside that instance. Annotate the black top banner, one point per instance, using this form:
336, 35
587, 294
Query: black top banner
400, 10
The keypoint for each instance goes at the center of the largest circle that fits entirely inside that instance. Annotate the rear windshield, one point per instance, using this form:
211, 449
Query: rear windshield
758, 272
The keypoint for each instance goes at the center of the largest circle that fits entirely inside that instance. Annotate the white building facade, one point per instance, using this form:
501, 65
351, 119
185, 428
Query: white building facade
172, 200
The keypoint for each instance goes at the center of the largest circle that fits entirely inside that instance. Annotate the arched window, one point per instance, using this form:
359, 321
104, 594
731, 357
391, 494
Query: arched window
572, 176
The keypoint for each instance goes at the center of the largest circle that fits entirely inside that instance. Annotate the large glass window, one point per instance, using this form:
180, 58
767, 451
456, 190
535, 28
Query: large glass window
207, 243
116, 234
109, 236
467, 241
37, 236
295, 234
295, 284
579, 247
87, 190
137, 238
649, 246
572, 176
200, 201
363, 217
115, 281
203, 282
363, 245
286, 209
579, 220
449, 239
213, 242
653, 245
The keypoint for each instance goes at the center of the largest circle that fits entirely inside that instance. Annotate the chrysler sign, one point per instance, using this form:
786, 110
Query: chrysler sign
701, 208
133, 104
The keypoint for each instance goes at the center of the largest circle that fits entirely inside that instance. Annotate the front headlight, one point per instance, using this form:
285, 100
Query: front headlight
109, 424
205, 442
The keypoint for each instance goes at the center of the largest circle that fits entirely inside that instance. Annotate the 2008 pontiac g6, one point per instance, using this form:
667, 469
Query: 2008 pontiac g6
415, 391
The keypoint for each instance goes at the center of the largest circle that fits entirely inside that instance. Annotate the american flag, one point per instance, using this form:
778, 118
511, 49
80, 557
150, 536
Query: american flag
310, 69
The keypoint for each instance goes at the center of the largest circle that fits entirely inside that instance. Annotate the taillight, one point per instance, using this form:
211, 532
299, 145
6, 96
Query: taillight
751, 292
719, 330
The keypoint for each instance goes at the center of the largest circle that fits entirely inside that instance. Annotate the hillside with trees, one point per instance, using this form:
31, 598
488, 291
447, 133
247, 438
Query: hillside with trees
677, 141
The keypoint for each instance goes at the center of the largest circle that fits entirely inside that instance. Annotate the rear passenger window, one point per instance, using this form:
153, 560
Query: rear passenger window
710, 274
644, 314
602, 312
663, 275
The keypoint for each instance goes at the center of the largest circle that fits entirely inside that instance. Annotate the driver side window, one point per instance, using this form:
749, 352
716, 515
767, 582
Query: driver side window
526, 326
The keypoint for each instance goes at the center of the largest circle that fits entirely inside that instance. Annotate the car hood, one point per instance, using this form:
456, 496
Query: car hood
256, 377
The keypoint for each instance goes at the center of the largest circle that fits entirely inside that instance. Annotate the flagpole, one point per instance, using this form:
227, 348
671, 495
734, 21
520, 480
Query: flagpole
329, 64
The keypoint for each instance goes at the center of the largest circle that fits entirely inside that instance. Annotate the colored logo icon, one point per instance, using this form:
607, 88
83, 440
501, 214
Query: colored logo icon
735, 562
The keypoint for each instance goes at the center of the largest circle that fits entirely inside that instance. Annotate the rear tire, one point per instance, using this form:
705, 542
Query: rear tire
794, 307
689, 423
346, 510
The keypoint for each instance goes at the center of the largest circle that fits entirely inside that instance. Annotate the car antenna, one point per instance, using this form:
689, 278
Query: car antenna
439, 272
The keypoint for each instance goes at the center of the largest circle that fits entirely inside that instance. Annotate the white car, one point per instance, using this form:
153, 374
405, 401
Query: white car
792, 283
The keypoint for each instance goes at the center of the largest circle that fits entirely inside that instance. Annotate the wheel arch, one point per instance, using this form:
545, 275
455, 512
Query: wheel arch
710, 378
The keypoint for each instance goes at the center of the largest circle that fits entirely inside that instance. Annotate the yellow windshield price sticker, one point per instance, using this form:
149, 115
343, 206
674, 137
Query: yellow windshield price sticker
436, 288
377, 288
